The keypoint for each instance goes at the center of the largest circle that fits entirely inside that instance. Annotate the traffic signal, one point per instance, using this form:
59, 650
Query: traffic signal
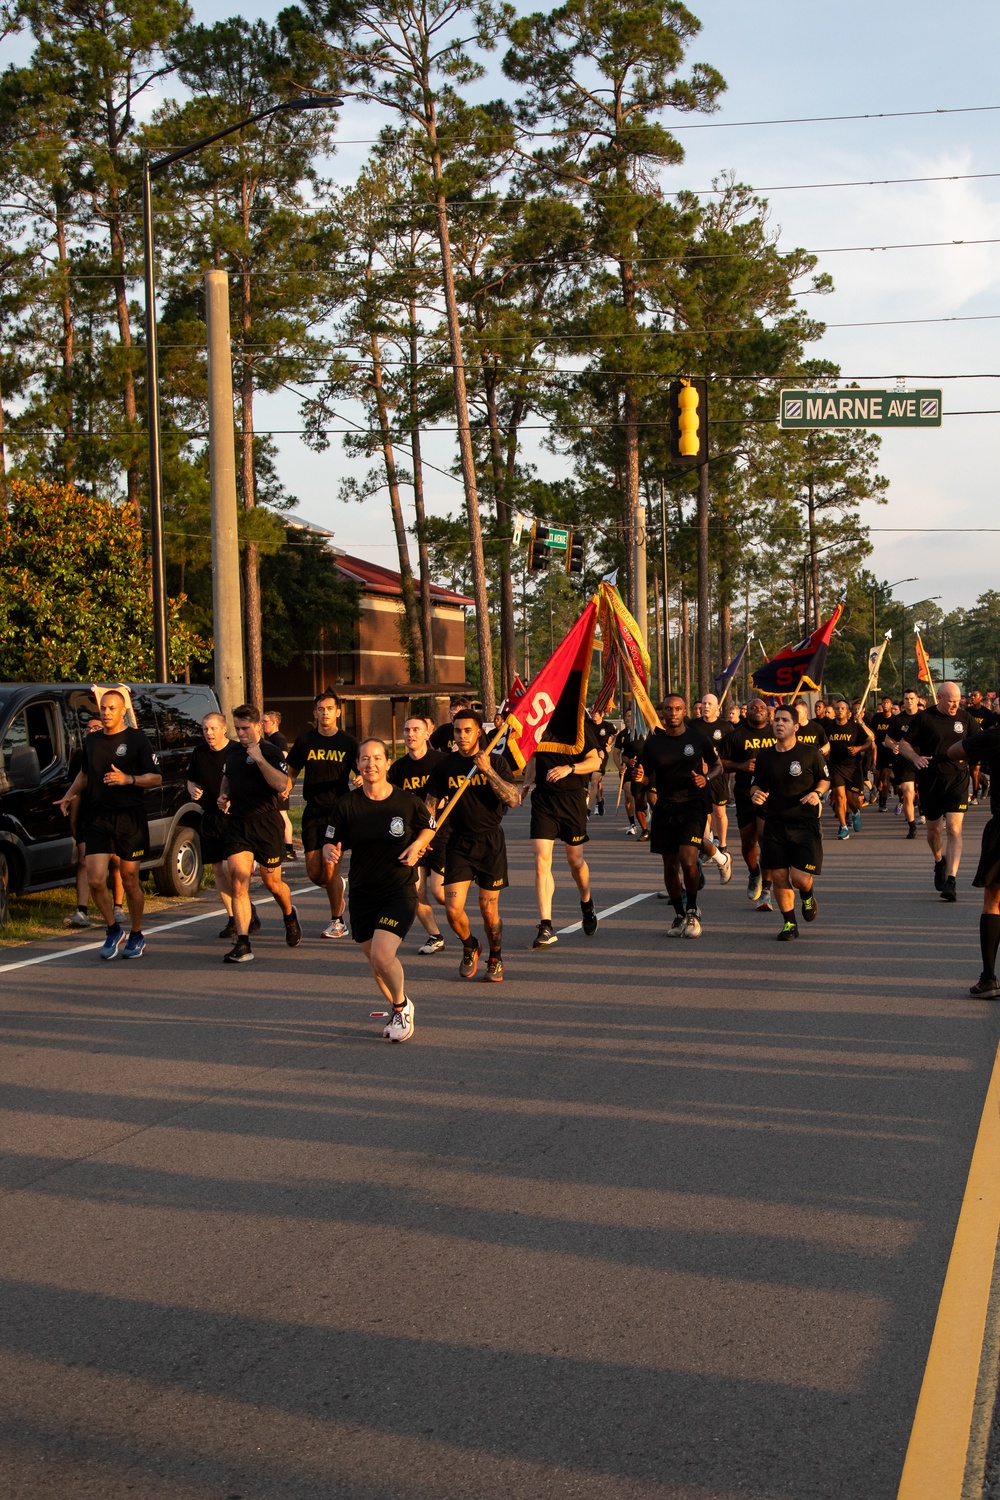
538, 550
689, 422
574, 553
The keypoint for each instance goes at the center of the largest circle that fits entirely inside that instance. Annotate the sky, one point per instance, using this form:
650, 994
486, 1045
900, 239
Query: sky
785, 61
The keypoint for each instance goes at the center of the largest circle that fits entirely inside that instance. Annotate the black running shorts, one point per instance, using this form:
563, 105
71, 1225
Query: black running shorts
795, 847
988, 869
315, 821
559, 818
482, 861
123, 833
849, 774
718, 789
884, 758
260, 833
939, 796
433, 861
213, 830
903, 770
392, 912
637, 791
746, 809
675, 825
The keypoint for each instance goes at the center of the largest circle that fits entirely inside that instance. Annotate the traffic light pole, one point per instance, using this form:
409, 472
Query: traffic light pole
704, 634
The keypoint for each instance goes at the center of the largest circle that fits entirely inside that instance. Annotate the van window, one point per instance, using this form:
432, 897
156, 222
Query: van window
37, 726
180, 713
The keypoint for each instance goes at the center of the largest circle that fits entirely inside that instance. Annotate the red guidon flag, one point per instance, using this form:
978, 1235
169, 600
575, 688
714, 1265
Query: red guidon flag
550, 714
798, 665
924, 673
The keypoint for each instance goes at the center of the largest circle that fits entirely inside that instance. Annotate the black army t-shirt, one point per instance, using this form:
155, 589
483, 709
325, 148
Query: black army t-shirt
248, 789
983, 749
479, 811
413, 775
129, 751
788, 776
743, 744
933, 733
605, 732
567, 788
378, 832
328, 760
206, 769
443, 738
669, 760
840, 738
878, 722
813, 732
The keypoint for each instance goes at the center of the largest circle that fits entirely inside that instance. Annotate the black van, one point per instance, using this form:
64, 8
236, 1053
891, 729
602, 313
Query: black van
42, 725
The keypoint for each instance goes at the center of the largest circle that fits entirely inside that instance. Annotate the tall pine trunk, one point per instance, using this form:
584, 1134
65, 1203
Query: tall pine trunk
411, 616
66, 351
423, 550
251, 551
508, 643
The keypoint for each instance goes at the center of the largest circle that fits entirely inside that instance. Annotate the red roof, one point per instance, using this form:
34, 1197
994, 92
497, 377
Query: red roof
378, 580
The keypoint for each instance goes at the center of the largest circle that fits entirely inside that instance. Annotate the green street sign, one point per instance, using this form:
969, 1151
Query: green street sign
860, 409
558, 536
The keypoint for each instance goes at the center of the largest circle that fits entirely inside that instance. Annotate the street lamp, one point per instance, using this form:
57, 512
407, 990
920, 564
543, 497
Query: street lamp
305, 101
902, 645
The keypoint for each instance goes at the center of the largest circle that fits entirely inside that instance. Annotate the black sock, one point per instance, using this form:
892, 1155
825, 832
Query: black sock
753, 869
470, 944
989, 942
494, 954
587, 905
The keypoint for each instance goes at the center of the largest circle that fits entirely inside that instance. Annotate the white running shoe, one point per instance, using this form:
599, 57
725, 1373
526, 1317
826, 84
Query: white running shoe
400, 1027
432, 945
726, 870
676, 928
692, 923
631, 831
336, 929
78, 918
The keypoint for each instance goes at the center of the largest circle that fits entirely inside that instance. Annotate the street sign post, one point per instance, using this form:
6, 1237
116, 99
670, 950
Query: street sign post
856, 408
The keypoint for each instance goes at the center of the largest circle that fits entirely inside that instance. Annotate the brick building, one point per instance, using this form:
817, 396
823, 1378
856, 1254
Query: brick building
365, 661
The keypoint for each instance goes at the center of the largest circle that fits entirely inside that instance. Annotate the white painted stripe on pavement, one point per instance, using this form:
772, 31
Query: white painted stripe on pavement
205, 916
578, 926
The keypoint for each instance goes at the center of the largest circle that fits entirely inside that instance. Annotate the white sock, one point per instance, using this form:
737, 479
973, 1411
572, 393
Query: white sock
718, 857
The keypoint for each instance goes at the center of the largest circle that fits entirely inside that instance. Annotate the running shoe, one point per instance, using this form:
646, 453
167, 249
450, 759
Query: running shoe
290, 852
973, 801
856, 821
293, 932
254, 921
600, 807
948, 891
939, 874
121, 916
229, 931
240, 953
663, 895
589, 918
789, 931
676, 928
77, 918
631, 831
135, 945
470, 961
432, 944
544, 937
726, 870
400, 1028
843, 832
985, 989
644, 837
765, 899
810, 907
911, 832
338, 929
883, 803
923, 821
692, 923
494, 971
755, 884
897, 811
113, 941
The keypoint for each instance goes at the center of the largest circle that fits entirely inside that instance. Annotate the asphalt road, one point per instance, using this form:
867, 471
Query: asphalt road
651, 1219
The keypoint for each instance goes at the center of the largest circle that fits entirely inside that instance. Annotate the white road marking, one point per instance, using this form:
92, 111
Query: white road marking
205, 916
578, 926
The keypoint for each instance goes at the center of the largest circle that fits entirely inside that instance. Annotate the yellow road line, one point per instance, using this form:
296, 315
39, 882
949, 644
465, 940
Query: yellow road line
938, 1449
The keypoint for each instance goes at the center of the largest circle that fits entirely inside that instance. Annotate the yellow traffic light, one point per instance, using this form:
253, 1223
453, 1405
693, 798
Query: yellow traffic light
688, 424
689, 421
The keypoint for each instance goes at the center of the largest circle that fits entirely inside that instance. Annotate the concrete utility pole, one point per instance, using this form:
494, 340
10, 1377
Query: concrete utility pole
640, 603
226, 608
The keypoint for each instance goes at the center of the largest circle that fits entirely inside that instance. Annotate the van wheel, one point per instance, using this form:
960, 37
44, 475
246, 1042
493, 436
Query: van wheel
181, 871
4, 889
